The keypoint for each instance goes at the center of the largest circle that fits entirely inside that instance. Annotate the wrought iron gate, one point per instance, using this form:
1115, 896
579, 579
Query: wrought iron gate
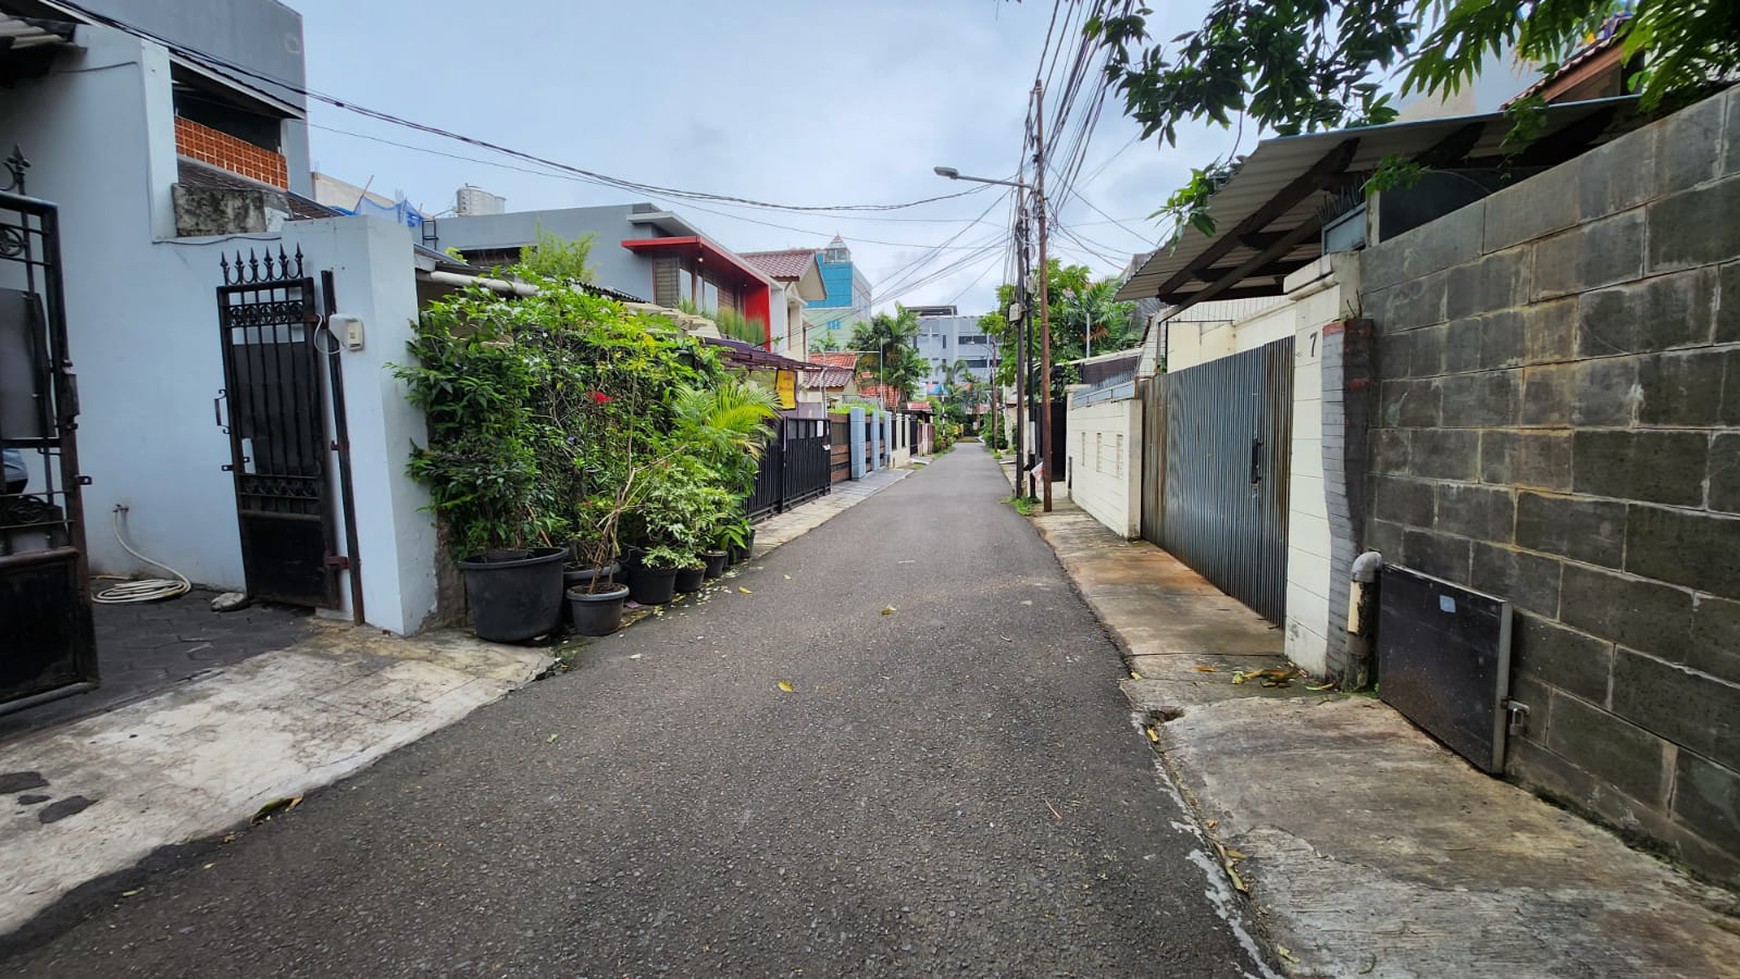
47, 644
279, 442
1216, 495
794, 466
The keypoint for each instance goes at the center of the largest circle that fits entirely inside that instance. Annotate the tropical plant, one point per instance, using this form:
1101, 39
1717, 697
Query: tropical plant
823, 341
888, 349
1076, 300
558, 259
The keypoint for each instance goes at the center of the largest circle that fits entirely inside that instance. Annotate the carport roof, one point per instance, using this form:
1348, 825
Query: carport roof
1268, 217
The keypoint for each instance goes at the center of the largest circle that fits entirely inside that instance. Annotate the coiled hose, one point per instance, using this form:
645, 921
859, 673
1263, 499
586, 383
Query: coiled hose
131, 590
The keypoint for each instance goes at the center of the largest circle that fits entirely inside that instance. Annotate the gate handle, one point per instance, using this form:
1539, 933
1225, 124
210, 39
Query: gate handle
217, 409
1256, 461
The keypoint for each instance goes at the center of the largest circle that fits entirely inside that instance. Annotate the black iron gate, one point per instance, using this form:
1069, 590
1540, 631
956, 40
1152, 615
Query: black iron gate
279, 441
795, 466
47, 644
1216, 460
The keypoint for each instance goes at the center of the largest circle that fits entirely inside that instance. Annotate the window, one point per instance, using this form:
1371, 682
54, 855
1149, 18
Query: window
977, 363
685, 285
709, 297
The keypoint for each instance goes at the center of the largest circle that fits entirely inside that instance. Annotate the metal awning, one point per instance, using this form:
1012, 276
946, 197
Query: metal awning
28, 45
1268, 218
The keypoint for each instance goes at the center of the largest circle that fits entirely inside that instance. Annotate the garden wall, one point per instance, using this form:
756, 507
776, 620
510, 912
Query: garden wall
1558, 424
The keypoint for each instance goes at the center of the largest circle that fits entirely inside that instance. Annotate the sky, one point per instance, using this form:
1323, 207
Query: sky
807, 102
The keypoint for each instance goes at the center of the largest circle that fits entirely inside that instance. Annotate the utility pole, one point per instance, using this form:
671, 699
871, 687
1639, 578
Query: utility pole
1046, 474
1020, 340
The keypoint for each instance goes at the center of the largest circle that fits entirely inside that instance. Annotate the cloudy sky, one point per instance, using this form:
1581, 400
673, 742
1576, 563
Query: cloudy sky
813, 102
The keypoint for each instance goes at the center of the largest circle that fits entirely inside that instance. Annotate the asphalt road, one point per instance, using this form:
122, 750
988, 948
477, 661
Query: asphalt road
952, 787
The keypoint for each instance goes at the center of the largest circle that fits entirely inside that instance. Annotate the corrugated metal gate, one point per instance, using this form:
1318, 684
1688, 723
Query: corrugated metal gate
1217, 445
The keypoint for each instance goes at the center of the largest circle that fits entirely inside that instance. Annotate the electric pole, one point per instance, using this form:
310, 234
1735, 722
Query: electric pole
1045, 473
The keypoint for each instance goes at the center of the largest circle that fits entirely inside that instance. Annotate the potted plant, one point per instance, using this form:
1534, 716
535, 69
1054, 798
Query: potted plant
473, 384
655, 581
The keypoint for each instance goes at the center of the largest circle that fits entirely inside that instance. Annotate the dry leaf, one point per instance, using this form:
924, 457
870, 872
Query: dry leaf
1233, 854
786, 686
275, 807
1321, 686
1134, 675
552, 739
1286, 953
788, 577
888, 610
1153, 735
1205, 669
131, 892
744, 590
208, 866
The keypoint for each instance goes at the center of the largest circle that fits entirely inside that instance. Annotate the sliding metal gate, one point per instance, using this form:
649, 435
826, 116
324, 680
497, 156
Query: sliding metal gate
794, 466
47, 644
279, 441
1217, 445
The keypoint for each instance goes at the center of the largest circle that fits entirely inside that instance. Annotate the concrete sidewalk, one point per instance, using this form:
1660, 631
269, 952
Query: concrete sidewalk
95, 796
1367, 849
784, 527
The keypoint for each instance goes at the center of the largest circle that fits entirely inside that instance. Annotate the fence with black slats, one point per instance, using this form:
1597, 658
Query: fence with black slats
795, 466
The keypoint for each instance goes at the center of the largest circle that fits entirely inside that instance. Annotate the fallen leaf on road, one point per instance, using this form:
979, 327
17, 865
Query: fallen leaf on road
1153, 735
1233, 854
888, 610
1134, 675
1053, 809
1205, 669
208, 866
744, 590
788, 577
1321, 686
275, 807
1286, 953
786, 686
553, 738
131, 892
635, 656
1028, 602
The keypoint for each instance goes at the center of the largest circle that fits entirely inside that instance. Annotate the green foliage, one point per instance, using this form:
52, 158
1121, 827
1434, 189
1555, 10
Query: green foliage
888, 349
560, 416
730, 323
1076, 303
1295, 68
823, 340
557, 258
1023, 505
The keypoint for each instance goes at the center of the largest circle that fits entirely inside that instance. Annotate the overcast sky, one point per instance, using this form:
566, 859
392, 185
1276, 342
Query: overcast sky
796, 101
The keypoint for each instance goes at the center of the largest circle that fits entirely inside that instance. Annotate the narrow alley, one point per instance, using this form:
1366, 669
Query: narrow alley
952, 783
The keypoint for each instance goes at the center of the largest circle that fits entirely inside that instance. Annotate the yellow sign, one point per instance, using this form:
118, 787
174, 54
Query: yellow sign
786, 387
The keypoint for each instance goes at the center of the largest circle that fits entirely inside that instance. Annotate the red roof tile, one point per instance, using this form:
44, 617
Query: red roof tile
845, 359
787, 263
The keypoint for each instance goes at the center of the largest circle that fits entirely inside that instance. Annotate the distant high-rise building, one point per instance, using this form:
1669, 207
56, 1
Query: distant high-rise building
848, 294
472, 201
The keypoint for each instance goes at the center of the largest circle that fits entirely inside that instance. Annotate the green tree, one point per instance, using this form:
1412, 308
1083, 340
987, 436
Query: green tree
887, 348
558, 258
823, 341
1076, 300
1294, 68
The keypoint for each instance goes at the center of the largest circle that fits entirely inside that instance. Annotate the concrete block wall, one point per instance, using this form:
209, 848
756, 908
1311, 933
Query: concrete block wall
1558, 424
1105, 472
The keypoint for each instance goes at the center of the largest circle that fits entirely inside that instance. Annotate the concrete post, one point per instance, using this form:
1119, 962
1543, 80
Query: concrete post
877, 442
375, 281
857, 426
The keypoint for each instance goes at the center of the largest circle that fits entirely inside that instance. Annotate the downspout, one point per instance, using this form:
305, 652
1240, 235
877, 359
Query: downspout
1362, 606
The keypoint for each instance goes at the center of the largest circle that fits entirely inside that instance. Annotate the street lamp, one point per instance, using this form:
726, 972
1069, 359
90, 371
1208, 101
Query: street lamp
1038, 190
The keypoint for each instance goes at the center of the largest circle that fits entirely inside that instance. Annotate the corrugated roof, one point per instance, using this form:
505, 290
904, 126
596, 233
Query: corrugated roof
24, 33
787, 263
1268, 217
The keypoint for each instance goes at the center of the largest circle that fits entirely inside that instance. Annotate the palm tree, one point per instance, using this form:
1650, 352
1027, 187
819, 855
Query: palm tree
888, 349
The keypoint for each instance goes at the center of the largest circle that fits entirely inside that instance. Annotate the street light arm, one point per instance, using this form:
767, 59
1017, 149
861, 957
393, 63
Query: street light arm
953, 174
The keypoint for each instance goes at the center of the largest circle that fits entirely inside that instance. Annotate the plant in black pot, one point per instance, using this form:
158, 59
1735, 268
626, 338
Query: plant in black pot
655, 581
480, 468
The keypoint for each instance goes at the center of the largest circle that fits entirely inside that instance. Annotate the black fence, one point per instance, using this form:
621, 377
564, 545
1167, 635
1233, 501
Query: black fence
794, 466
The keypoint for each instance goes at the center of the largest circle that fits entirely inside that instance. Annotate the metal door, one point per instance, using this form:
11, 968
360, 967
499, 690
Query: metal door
276, 421
1229, 429
47, 644
805, 464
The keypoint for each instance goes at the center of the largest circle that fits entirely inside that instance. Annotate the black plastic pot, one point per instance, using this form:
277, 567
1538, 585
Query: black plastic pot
715, 563
630, 558
650, 587
514, 595
581, 578
599, 613
689, 579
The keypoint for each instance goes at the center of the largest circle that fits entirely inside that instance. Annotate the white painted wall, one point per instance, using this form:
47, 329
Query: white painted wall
374, 279
141, 307
1105, 472
1317, 296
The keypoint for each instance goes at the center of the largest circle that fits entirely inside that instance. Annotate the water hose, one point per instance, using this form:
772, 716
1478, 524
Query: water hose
132, 590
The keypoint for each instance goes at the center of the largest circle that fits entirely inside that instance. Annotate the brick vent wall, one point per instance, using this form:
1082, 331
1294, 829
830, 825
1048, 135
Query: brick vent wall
235, 155
1558, 424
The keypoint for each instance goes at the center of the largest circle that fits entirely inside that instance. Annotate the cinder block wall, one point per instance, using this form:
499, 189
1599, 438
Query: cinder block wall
1558, 424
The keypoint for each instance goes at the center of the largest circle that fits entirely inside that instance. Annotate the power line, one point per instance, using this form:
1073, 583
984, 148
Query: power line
602, 179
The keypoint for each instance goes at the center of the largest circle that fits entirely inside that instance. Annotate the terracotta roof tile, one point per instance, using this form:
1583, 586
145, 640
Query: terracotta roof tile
787, 263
